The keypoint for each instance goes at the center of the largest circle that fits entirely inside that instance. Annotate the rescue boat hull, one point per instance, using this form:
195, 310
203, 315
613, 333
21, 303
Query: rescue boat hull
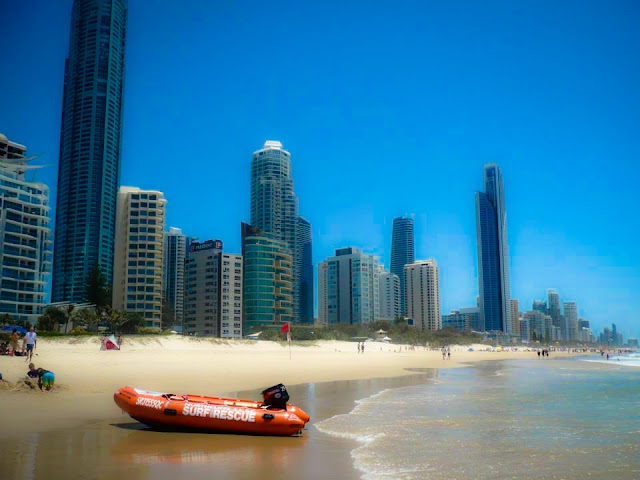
209, 414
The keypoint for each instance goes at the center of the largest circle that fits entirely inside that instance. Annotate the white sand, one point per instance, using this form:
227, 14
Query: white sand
87, 377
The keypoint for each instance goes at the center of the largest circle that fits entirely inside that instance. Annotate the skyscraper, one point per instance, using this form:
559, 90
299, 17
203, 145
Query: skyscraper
348, 288
402, 251
553, 302
139, 254
422, 291
25, 236
570, 310
175, 254
306, 270
274, 210
493, 253
515, 316
89, 162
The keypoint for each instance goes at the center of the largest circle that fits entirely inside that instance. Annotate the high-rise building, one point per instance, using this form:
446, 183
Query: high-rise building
493, 253
175, 254
274, 210
139, 254
525, 329
540, 306
306, 273
515, 316
422, 294
268, 279
348, 288
25, 236
403, 251
389, 295
538, 324
213, 291
90, 137
553, 302
455, 320
571, 320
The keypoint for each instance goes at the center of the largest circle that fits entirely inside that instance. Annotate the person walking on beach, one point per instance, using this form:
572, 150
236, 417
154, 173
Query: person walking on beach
449, 353
119, 341
444, 353
14, 341
362, 347
30, 338
358, 347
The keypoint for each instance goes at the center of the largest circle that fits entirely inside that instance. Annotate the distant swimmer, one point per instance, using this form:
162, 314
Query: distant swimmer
607, 356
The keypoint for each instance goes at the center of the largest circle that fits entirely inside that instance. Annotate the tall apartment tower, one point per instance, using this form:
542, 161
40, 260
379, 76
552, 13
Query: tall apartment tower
25, 236
403, 251
389, 296
139, 254
213, 291
268, 279
348, 288
175, 254
422, 294
493, 253
90, 137
570, 310
274, 210
306, 273
553, 309
515, 316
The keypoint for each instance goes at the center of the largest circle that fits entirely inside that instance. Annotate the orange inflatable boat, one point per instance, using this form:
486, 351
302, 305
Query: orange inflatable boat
273, 416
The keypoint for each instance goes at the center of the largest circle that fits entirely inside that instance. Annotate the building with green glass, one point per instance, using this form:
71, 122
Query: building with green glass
268, 280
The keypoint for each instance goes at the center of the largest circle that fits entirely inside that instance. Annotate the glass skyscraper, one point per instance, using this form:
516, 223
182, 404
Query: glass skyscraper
402, 251
89, 163
274, 210
493, 253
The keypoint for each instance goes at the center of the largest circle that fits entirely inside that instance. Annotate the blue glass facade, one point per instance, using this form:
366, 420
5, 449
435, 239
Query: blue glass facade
89, 163
402, 251
306, 271
493, 260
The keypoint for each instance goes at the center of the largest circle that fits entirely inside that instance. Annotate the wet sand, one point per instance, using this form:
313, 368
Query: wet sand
121, 446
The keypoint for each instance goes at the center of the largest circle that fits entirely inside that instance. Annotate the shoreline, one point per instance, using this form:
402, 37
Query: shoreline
87, 377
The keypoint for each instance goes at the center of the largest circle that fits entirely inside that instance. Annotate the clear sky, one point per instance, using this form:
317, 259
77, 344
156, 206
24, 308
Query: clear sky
387, 108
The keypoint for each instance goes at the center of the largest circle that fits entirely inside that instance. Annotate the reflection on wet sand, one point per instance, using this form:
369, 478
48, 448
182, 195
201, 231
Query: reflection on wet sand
103, 449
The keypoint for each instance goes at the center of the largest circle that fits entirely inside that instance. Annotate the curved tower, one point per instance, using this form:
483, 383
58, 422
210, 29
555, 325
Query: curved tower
402, 251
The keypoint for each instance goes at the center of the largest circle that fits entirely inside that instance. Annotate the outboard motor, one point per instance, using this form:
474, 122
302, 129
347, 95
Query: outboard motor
276, 396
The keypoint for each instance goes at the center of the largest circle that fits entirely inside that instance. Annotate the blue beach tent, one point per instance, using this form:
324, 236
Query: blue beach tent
19, 329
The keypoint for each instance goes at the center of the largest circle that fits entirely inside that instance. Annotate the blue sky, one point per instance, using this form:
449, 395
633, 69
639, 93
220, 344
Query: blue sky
387, 108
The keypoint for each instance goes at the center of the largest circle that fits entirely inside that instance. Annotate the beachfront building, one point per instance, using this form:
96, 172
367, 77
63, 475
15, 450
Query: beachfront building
139, 254
175, 254
540, 326
305, 257
274, 210
553, 309
422, 294
348, 288
570, 310
515, 316
402, 251
493, 253
213, 291
268, 280
525, 329
389, 294
90, 137
25, 236
455, 320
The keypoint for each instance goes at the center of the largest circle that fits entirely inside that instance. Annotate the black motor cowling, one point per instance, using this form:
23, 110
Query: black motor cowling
276, 396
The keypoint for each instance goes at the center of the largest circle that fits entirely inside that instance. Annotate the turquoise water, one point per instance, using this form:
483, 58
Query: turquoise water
544, 419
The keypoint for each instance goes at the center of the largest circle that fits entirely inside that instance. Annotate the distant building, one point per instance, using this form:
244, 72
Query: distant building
175, 254
493, 253
139, 254
538, 324
583, 323
525, 329
540, 306
213, 293
25, 236
632, 342
268, 280
402, 251
305, 247
348, 288
553, 303
472, 316
515, 316
455, 320
422, 294
389, 295
570, 310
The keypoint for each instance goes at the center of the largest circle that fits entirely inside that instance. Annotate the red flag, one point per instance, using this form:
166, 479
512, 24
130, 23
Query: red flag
285, 328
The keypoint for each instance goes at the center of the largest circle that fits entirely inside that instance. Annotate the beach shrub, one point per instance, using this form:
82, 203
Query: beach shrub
149, 331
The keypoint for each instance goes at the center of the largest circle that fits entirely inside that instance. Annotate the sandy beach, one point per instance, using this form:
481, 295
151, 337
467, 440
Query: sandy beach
86, 377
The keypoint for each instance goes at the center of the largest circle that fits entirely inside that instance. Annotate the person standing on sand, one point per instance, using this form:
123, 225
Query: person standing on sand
30, 339
449, 353
362, 347
119, 341
14, 341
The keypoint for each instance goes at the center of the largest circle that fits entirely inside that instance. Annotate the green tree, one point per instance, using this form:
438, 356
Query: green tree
50, 319
88, 318
97, 290
5, 318
69, 312
168, 315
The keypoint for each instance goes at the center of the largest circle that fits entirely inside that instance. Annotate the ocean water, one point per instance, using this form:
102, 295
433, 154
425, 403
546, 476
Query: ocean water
630, 360
544, 419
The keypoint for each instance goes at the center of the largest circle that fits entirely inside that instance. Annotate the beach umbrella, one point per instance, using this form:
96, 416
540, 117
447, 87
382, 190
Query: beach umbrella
471, 350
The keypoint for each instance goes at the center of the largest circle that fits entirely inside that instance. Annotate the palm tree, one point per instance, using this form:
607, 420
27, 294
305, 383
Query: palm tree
88, 318
69, 311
